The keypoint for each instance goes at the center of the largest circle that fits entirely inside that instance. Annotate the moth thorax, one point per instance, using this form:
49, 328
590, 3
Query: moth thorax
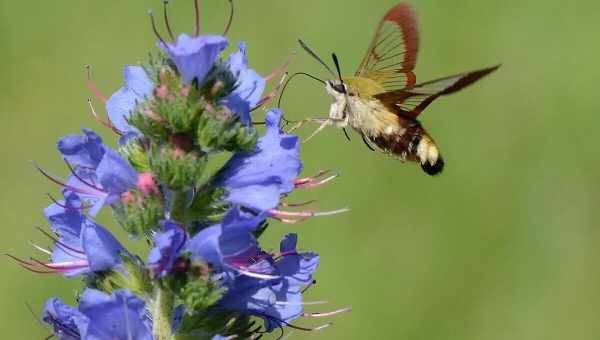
427, 151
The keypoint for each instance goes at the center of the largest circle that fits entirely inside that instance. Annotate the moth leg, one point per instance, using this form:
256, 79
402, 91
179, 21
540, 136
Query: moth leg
304, 121
324, 124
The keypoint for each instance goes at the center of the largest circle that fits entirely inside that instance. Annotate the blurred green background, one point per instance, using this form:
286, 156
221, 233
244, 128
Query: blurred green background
503, 245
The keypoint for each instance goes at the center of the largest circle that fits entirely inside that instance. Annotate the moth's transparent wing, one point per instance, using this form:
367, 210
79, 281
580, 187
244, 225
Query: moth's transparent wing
392, 54
410, 102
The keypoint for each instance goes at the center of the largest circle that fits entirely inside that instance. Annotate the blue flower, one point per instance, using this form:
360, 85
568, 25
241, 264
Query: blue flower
277, 301
100, 316
120, 105
86, 151
99, 174
195, 56
63, 318
231, 245
249, 86
83, 245
258, 179
167, 247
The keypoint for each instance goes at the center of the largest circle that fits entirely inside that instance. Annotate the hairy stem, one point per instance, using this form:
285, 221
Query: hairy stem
162, 314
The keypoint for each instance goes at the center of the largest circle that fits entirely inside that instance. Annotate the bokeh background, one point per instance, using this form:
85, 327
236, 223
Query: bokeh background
503, 245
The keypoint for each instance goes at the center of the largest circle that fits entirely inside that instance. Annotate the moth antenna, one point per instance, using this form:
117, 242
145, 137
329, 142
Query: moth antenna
337, 66
290, 79
314, 55
230, 20
166, 16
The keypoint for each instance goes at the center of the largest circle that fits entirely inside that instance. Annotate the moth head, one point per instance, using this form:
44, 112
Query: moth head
336, 89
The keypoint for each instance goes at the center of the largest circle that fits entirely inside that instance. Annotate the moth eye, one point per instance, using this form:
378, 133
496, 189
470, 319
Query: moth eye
339, 88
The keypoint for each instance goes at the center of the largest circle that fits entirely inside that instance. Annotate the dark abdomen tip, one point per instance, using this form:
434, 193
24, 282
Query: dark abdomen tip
434, 169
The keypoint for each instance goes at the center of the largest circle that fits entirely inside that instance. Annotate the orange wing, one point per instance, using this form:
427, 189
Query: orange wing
410, 102
392, 55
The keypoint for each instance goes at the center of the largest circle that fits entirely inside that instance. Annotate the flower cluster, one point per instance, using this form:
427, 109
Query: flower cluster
205, 275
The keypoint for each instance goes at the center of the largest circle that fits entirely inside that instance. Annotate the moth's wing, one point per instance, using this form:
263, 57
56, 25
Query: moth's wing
410, 102
392, 54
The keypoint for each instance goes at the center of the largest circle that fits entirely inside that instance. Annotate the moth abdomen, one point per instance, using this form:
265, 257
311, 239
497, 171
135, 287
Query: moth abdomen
413, 144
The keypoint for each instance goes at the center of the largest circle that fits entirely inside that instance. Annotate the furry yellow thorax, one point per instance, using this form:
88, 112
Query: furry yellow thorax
363, 87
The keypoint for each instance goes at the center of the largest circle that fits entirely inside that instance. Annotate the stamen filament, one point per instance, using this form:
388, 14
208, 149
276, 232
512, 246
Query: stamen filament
166, 17
327, 314
197, 18
92, 86
230, 20
271, 95
297, 205
104, 122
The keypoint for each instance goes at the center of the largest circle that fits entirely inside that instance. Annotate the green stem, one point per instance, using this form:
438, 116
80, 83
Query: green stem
162, 314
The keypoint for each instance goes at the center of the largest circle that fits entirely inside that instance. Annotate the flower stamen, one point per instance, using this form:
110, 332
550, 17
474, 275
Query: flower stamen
327, 314
166, 17
106, 122
92, 86
230, 20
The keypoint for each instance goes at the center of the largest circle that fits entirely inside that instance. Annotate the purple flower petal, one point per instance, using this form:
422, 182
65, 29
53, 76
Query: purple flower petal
120, 105
257, 179
167, 246
195, 56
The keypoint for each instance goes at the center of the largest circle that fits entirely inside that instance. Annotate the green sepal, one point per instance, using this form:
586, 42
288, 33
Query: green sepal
207, 207
133, 276
220, 130
137, 156
180, 113
140, 213
175, 168
152, 127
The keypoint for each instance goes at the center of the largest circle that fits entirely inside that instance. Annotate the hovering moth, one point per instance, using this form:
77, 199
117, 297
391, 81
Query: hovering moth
382, 101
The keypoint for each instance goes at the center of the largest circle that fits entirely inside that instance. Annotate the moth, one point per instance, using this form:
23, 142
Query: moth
382, 101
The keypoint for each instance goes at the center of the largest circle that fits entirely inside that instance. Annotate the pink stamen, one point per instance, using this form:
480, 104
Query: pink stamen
280, 69
327, 314
58, 243
55, 180
92, 86
297, 205
107, 123
313, 182
306, 213
32, 267
303, 180
63, 266
303, 303
91, 185
271, 94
